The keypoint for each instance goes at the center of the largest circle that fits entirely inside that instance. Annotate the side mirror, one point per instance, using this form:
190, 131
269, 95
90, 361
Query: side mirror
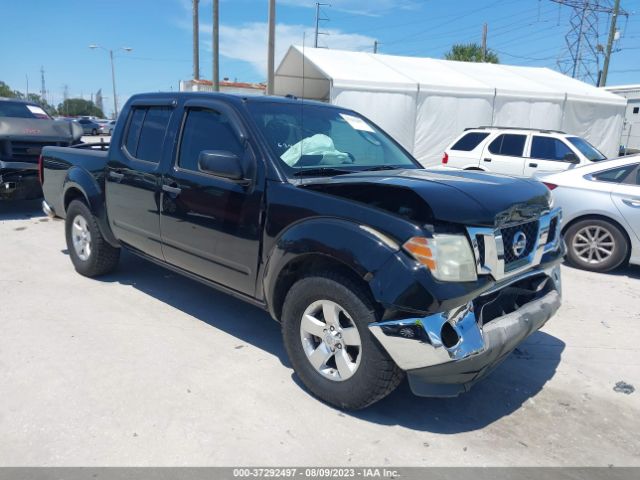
221, 163
571, 158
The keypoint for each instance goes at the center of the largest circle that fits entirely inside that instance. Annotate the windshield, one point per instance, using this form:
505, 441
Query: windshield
323, 139
587, 149
21, 110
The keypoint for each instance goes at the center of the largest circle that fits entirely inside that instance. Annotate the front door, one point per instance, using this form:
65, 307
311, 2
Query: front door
132, 184
211, 225
505, 154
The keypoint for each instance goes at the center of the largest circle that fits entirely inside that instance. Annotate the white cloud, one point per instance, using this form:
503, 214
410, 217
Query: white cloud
248, 42
363, 7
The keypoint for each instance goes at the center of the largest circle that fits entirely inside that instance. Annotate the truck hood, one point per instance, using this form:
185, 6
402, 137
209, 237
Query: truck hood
457, 196
39, 130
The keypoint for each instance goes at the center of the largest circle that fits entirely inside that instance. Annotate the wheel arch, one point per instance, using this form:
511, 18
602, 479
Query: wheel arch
321, 244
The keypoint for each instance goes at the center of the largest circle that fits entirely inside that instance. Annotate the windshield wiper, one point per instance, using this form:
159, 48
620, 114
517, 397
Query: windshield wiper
381, 167
321, 172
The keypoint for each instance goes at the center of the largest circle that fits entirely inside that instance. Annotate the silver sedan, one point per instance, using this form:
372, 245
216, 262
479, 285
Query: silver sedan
601, 212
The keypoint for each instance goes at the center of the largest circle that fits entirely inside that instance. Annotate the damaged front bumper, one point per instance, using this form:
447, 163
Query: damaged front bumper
444, 354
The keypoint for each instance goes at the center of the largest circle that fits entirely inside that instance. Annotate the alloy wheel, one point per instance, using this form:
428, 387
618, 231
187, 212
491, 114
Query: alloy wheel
330, 340
81, 237
593, 244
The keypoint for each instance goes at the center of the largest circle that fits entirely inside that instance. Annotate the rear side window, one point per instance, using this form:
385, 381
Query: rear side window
470, 141
206, 129
548, 148
146, 131
614, 175
508, 144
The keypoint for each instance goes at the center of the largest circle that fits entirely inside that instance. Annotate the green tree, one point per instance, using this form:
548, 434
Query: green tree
78, 106
6, 91
470, 52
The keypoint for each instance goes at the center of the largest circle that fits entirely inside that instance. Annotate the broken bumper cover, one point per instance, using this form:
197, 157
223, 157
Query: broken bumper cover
446, 353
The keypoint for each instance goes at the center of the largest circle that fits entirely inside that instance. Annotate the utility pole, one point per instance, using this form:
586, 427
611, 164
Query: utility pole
113, 74
375, 46
27, 77
612, 35
216, 46
271, 47
43, 89
484, 42
196, 41
318, 20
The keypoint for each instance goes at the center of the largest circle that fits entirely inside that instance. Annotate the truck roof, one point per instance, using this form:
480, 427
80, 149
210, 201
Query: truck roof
235, 98
18, 100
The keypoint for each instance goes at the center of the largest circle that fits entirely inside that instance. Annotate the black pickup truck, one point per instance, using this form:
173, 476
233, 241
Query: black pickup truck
374, 266
24, 129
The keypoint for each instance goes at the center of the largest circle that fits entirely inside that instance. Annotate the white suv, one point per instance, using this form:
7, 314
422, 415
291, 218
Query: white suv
519, 151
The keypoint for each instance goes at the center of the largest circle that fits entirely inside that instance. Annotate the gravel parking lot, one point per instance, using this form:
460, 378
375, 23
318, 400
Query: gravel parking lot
144, 367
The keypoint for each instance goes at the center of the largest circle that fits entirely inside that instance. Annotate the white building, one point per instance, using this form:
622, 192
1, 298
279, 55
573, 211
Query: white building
424, 103
631, 131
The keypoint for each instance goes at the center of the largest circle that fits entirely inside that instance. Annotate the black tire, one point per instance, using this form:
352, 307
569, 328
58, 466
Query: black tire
376, 375
575, 234
103, 258
94, 132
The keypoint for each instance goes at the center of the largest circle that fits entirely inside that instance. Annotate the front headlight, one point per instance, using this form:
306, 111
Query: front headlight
448, 257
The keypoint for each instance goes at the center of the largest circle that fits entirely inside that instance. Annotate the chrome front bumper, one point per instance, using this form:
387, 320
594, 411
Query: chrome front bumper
458, 346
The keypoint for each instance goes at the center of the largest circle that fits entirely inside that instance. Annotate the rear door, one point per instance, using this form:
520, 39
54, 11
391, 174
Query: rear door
466, 151
133, 177
547, 155
211, 226
504, 154
626, 196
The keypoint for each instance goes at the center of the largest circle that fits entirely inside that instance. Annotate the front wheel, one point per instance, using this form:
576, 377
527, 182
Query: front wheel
325, 329
94, 132
90, 253
596, 245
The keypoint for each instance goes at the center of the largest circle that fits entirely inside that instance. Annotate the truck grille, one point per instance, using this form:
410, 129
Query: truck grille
513, 256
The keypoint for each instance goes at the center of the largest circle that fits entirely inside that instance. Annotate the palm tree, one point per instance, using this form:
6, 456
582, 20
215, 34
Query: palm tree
470, 52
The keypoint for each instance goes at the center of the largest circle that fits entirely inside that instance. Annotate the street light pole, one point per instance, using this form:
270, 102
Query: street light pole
113, 74
113, 82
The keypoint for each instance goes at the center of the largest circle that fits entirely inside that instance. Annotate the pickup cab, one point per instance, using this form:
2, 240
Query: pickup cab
376, 268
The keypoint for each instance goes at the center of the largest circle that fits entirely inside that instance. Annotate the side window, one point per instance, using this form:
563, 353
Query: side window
152, 134
133, 131
508, 144
206, 129
614, 175
470, 141
548, 148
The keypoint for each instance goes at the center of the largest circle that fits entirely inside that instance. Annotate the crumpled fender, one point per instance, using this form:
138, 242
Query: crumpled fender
357, 247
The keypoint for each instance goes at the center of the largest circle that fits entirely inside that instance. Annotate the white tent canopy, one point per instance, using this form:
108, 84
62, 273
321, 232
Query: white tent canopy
424, 103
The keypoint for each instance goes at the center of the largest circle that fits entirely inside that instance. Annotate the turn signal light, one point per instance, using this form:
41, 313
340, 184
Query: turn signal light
419, 248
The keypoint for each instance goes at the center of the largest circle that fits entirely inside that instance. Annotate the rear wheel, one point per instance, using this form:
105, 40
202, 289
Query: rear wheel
90, 253
94, 132
325, 328
596, 245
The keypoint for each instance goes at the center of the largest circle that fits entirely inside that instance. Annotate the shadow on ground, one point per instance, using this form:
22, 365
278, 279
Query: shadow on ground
20, 209
518, 379
235, 317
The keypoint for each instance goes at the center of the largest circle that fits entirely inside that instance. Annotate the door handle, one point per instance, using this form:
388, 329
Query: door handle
116, 175
487, 159
533, 165
632, 202
173, 191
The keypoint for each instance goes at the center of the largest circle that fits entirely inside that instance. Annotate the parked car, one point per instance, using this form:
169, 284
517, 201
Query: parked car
106, 128
519, 151
601, 210
89, 127
374, 266
24, 129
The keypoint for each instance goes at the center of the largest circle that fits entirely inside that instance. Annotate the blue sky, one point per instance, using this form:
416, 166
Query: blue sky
56, 35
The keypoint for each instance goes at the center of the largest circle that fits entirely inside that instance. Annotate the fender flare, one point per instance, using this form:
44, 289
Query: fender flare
361, 248
80, 179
